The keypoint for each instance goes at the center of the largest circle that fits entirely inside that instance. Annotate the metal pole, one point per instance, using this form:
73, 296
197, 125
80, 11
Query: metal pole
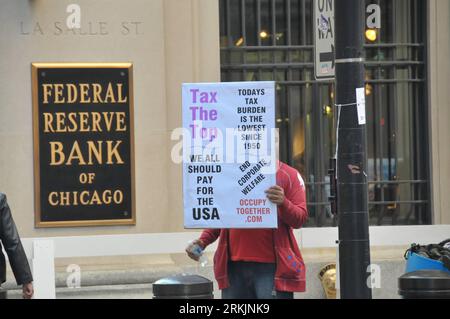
354, 247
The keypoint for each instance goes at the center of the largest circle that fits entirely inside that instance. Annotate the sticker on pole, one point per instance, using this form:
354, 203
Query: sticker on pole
324, 55
361, 105
229, 158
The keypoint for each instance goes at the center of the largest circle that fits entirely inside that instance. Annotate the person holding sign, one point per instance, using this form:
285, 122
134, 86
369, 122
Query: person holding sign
262, 263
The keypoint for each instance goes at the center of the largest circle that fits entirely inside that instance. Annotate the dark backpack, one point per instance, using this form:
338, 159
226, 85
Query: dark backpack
440, 252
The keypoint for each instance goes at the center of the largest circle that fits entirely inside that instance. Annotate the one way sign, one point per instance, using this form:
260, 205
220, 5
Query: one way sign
324, 39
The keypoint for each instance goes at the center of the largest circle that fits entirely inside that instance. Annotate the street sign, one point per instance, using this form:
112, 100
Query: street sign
324, 39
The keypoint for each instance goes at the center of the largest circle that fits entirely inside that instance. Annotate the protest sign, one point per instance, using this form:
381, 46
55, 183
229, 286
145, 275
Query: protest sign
229, 158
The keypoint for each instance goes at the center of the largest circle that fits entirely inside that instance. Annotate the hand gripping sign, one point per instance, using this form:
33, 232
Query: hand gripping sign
229, 155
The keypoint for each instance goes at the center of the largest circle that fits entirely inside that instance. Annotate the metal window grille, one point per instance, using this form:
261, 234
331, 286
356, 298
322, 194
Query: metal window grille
272, 40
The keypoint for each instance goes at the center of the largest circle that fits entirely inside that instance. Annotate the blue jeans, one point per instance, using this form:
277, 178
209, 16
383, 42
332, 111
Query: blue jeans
249, 280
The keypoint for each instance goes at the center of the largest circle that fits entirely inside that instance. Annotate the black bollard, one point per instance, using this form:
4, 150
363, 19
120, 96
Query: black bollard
183, 287
425, 284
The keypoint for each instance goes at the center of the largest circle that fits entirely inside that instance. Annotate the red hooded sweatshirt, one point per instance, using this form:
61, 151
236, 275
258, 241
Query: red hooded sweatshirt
290, 275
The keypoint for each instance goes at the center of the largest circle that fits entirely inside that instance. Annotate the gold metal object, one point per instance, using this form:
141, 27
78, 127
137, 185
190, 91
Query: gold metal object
327, 277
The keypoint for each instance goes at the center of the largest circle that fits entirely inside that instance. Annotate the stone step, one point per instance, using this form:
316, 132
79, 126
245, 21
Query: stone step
137, 283
137, 291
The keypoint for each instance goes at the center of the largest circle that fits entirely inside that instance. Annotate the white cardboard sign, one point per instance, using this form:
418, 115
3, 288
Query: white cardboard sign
229, 155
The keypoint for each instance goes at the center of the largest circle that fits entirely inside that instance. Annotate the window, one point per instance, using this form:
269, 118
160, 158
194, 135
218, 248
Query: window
272, 40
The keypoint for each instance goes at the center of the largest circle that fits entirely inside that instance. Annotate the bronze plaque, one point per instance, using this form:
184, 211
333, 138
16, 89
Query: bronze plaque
83, 144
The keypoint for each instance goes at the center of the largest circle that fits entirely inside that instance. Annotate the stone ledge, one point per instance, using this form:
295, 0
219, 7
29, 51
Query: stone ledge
118, 273
134, 284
